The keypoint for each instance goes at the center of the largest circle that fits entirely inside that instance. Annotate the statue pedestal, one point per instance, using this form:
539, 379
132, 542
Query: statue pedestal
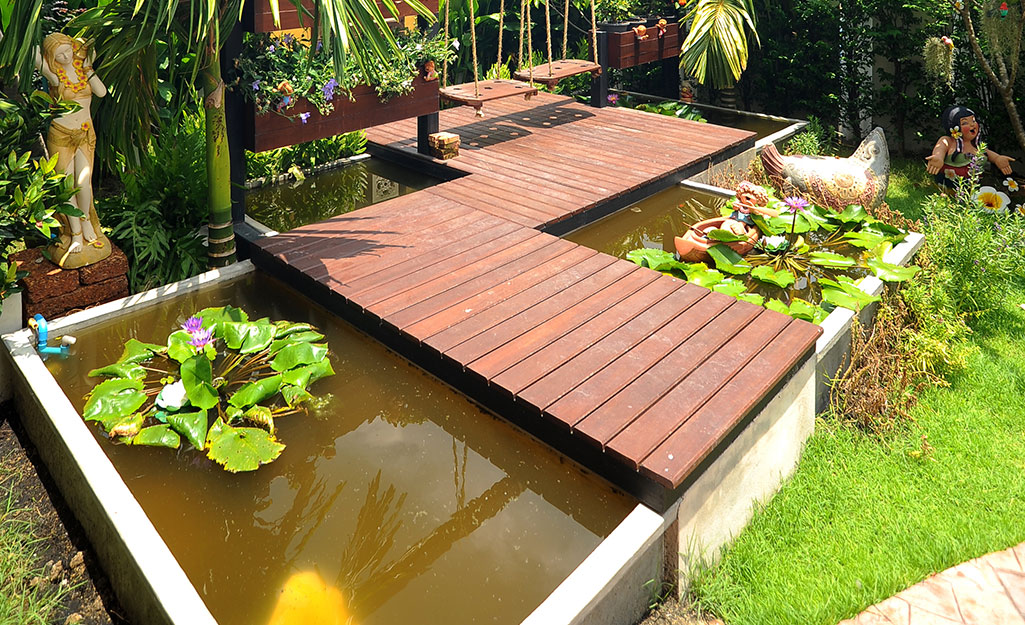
53, 292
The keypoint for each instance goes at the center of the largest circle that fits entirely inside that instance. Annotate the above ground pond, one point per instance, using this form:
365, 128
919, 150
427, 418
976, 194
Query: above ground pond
321, 196
400, 494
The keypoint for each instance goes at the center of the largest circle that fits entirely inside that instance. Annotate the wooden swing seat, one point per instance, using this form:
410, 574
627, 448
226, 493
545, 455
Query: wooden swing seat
560, 70
488, 90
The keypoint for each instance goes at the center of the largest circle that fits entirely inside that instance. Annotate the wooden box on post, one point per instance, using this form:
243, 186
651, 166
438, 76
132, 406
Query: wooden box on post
627, 50
271, 130
262, 20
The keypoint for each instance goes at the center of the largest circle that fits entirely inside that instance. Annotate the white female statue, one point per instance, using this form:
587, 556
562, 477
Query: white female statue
67, 66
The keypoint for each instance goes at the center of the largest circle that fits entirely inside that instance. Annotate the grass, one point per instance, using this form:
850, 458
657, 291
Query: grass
864, 518
20, 602
909, 185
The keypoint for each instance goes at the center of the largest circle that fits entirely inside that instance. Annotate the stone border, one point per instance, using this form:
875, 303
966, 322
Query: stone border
266, 181
834, 346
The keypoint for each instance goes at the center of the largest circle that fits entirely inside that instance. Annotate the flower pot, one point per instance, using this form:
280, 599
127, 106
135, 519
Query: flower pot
626, 50
10, 320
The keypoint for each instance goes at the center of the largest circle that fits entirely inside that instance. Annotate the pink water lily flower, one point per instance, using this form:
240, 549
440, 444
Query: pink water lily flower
201, 338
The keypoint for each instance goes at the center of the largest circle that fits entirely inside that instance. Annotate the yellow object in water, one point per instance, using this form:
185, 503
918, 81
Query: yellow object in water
307, 600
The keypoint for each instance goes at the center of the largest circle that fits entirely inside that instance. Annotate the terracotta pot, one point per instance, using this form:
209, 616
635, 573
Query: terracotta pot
693, 246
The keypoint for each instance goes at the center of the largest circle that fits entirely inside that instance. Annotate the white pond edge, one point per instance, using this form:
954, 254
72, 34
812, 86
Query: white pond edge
149, 582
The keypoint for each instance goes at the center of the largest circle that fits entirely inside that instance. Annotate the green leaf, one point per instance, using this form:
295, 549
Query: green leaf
297, 355
730, 287
198, 380
158, 436
843, 292
137, 351
304, 376
255, 392
261, 416
867, 240
728, 260
260, 336
781, 278
214, 316
778, 306
769, 226
801, 309
127, 426
239, 448
853, 214
298, 337
701, 275
178, 347
888, 272
128, 370
725, 236
821, 216
831, 259
112, 400
752, 298
659, 260
191, 425
294, 395
285, 328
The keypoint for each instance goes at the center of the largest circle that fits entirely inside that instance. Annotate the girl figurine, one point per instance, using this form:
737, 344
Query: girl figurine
67, 66
953, 152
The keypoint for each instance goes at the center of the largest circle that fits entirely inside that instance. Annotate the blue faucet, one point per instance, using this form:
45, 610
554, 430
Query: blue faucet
38, 324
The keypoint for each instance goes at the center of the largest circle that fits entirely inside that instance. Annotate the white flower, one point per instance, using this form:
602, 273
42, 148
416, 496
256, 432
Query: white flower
1012, 185
775, 241
172, 396
992, 201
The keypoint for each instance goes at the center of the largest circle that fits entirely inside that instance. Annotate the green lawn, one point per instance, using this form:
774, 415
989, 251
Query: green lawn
862, 518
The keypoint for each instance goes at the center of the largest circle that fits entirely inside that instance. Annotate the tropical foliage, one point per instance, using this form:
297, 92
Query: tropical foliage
825, 253
220, 381
716, 48
305, 155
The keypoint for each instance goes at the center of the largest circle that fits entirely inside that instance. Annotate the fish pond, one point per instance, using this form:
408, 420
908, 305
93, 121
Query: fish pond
804, 273
321, 196
395, 501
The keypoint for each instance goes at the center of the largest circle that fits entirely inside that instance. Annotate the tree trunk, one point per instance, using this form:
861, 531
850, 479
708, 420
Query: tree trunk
728, 97
221, 237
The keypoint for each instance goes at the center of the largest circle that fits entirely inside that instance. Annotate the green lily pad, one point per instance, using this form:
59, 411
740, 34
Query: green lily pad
752, 298
778, 306
191, 425
730, 287
298, 355
844, 292
304, 376
158, 436
831, 259
285, 328
128, 370
255, 392
888, 272
113, 400
213, 316
853, 214
781, 278
295, 395
198, 380
298, 337
137, 351
178, 347
725, 236
701, 275
261, 417
247, 337
126, 426
867, 240
728, 260
659, 260
240, 448
801, 309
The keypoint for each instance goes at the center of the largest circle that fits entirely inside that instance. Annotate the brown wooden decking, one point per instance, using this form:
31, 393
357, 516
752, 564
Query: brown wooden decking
636, 374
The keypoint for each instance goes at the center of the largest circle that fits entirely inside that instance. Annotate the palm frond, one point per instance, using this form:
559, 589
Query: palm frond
716, 48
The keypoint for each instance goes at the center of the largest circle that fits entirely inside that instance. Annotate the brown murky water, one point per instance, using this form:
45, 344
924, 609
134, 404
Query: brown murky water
761, 126
655, 222
487, 522
285, 206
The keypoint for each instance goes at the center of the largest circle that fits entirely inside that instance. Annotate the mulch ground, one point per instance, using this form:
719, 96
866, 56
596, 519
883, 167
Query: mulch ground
63, 554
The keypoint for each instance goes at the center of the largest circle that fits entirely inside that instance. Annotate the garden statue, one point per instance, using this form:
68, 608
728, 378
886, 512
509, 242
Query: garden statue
834, 182
66, 64
751, 199
953, 152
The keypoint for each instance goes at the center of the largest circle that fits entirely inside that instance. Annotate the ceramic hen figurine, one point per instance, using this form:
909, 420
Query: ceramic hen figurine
834, 182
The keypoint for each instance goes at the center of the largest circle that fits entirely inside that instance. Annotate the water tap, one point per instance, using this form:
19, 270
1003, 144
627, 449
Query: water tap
39, 326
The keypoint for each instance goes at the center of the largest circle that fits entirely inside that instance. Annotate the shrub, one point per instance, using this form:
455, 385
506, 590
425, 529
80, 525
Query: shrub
156, 219
814, 139
305, 155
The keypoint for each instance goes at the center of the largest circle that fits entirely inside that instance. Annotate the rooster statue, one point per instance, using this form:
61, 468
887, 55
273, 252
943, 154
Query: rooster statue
834, 182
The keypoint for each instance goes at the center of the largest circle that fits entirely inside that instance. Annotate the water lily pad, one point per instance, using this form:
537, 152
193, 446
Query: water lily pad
198, 379
255, 392
730, 287
128, 370
261, 417
843, 292
801, 309
158, 436
888, 272
304, 376
853, 214
308, 336
178, 347
294, 395
298, 355
127, 426
752, 298
112, 400
241, 448
285, 328
831, 259
781, 278
725, 236
191, 425
659, 260
778, 306
728, 260
865, 239
213, 316
137, 351
247, 337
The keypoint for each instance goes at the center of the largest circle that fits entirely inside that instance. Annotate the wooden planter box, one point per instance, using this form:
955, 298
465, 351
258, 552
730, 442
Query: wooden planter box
626, 50
261, 20
270, 130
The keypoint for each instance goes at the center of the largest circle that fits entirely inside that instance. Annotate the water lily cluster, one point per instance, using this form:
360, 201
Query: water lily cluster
807, 247
220, 382
274, 72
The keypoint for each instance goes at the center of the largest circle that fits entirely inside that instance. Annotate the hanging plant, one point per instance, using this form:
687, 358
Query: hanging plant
220, 382
939, 58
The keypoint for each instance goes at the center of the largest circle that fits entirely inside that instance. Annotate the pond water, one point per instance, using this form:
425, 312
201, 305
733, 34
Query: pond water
656, 221
761, 126
321, 196
486, 521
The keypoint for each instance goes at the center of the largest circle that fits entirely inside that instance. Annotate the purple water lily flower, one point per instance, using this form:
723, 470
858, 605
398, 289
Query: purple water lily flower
256, 85
201, 338
304, 117
192, 325
796, 203
613, 98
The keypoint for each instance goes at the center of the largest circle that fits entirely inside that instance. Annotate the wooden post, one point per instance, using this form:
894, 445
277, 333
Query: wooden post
426, 125
600, 83
671, 78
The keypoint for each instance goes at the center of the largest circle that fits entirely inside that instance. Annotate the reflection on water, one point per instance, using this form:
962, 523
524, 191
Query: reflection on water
655, 222
402, 501
283, 207
761, 126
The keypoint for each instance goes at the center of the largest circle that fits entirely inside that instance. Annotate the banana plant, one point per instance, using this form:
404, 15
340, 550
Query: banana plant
716, 49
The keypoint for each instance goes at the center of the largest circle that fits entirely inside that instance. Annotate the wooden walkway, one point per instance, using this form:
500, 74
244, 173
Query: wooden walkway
637, 375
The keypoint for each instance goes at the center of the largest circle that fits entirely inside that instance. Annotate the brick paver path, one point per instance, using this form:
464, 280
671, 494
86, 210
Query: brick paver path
985, 591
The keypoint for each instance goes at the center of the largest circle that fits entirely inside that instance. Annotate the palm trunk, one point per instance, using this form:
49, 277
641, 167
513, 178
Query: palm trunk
221, 237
